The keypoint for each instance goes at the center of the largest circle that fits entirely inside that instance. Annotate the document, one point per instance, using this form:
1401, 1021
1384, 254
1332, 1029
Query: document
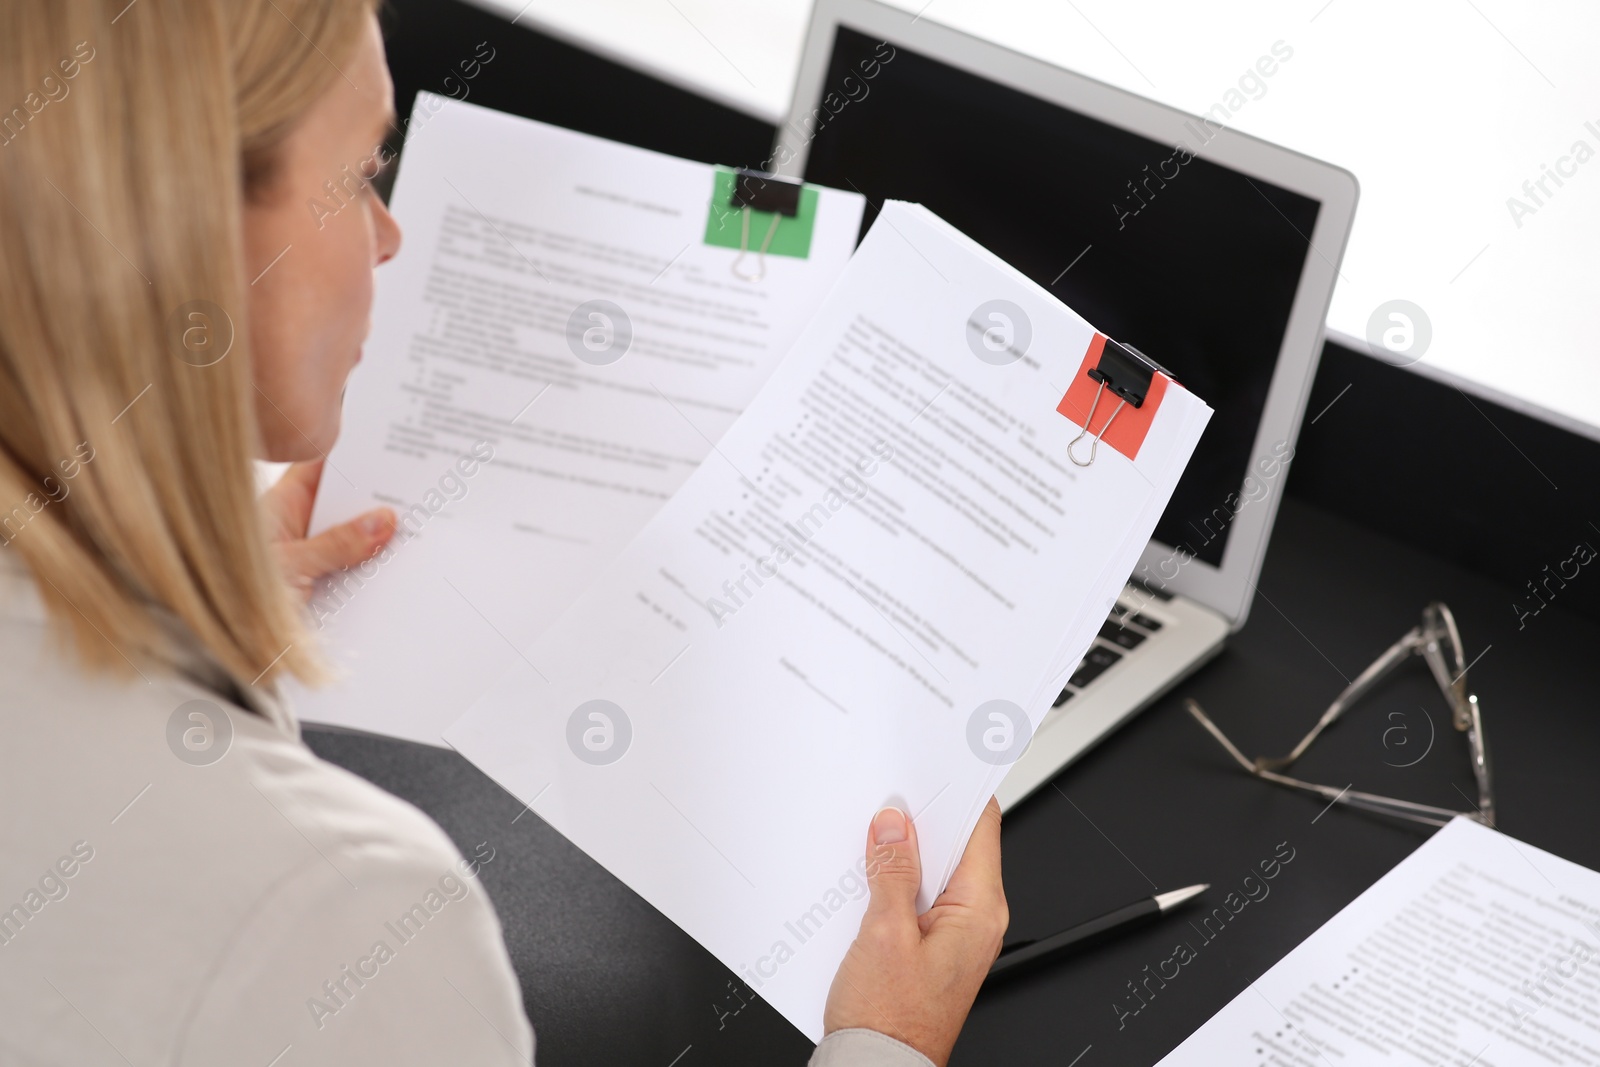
1476, 949
559, 343
868, 594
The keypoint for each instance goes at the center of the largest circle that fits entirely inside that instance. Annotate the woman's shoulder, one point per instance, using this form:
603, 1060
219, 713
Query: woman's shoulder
187, 871
164, 742
183, 732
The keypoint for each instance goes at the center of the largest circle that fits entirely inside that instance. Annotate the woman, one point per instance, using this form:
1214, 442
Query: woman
170, 311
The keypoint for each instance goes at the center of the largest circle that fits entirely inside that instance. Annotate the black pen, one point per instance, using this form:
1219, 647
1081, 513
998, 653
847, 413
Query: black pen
1026, 953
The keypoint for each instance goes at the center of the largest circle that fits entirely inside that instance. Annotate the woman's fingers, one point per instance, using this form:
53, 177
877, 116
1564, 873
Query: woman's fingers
345, 545
975, 890
977, 876
305, 559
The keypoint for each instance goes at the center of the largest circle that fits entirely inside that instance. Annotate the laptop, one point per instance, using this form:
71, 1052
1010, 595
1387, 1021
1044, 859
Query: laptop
1210, 251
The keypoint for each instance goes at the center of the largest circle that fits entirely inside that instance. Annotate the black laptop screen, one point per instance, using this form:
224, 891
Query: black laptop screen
1191, 262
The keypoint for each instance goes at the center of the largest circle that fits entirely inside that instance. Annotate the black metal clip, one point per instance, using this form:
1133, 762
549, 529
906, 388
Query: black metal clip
1127, 372
761, 191
755, 190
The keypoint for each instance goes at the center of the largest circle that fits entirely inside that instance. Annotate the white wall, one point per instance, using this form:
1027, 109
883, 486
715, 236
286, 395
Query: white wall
1442, 108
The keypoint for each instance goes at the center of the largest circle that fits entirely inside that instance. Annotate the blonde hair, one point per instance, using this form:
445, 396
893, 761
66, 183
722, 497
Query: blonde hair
130, 137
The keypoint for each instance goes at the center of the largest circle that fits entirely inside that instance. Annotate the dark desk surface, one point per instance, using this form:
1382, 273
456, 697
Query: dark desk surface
608, 980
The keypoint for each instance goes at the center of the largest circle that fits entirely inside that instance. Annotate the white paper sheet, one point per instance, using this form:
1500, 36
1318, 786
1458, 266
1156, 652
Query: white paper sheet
1476, 949
509, 226
889, 539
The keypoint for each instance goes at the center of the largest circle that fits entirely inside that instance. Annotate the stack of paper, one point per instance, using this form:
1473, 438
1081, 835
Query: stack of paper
869, 594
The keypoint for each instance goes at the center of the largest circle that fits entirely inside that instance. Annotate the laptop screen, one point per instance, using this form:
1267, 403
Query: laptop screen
1193, 263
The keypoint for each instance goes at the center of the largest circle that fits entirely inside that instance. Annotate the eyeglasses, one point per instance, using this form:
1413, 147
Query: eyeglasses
1437, 640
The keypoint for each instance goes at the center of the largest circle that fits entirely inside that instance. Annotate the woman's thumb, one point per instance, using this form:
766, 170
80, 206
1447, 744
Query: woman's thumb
894, 869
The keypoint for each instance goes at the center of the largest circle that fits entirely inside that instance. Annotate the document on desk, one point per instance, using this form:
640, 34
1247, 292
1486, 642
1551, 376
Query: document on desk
559, 343
1476, 949
868, 595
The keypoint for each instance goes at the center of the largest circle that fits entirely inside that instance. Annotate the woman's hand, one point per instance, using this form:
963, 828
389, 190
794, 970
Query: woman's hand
304, 560
913, 976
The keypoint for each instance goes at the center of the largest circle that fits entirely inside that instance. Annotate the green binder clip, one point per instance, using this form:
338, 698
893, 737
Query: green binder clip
787, 211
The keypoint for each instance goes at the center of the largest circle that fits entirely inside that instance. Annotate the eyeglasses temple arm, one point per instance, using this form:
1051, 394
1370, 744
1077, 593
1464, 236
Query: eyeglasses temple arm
1425, 813
1465, 709
1378, 670
1479, 746
1454, 689
1405, 809
1204, 720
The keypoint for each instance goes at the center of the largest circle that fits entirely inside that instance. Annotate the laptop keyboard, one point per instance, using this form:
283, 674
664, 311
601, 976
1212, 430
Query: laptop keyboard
1123, 631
